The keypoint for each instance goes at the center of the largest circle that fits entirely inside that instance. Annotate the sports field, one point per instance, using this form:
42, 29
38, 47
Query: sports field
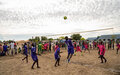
88, 64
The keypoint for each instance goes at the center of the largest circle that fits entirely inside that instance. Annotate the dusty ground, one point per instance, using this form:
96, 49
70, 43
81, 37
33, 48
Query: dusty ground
89, 64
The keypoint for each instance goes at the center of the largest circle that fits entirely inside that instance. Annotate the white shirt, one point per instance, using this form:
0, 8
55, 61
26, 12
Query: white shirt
90, 43
12, 45
77, 43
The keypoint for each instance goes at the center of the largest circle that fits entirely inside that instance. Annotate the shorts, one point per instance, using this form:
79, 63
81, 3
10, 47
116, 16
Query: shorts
34, 58
101, 56
71, 50
56, 56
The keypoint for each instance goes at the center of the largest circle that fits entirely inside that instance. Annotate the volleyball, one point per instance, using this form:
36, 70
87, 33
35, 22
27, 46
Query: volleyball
65, 17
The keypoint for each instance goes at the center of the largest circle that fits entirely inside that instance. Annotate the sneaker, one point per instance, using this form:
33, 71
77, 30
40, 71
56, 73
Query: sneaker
105, 61
38, 67
55, 66
32, 68
99, 57
68, 60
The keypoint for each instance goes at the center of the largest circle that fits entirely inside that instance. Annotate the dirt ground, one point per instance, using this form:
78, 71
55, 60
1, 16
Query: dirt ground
88, 64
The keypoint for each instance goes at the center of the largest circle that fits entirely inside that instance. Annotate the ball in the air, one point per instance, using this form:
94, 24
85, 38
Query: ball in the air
65, 17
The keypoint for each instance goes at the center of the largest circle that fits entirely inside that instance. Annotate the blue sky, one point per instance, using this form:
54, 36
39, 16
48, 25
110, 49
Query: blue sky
46, 16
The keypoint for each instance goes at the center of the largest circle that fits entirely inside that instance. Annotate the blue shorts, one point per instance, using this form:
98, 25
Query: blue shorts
71, 50
34, 58
83, 47
56, 56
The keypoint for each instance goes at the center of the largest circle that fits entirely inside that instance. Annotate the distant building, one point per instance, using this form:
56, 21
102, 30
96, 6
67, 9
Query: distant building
92, 38
106, 37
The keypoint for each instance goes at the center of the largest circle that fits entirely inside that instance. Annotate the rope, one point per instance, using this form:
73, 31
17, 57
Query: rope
82, 32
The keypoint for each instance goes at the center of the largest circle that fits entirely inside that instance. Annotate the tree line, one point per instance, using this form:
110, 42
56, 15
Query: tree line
43, 38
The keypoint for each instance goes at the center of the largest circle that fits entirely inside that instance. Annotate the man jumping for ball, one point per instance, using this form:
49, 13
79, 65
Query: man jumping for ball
70, 48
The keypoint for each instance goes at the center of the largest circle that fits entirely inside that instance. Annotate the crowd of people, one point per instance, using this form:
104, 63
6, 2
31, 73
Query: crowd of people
8, 48
38, 48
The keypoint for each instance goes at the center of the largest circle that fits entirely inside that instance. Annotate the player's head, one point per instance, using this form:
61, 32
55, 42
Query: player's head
66, 37
25, 43
39, 42
33, 45
57, 43
101, 43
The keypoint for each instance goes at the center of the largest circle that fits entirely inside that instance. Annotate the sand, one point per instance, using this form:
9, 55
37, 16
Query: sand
89, 64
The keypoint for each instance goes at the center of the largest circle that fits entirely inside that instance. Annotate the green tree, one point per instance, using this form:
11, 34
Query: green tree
113, 36
10, 41
62, 37
50, 39
98, 37
76, 36
82, 39
43, 38
4, 41
0, 41
37, 38
30, 39
57, 39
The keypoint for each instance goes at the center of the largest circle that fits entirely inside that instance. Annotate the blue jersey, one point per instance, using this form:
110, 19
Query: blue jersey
58, 50
70, 46
69, 43
5, 48
56, 54
33, 54
25, 49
